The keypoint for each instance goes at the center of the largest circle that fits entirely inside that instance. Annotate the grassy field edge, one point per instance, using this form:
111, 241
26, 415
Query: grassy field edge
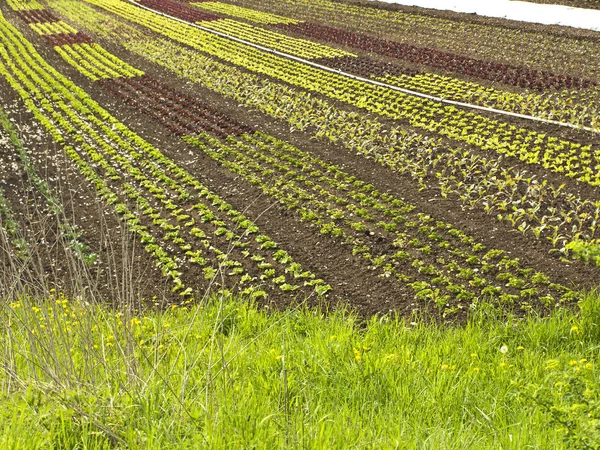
226, 374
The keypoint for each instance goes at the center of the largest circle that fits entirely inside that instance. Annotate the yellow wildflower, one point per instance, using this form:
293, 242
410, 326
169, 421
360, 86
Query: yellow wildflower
551, 364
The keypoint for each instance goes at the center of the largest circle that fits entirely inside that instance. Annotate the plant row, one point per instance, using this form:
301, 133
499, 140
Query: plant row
577, 110
581, 112
238, 12
54, 27
348, 209
560, 156
178, 220
371, 221
179, 10
577, 106
53, 205
179, 113
241, 30
80, 51
94, 63
367, 67
35, 16
484, 69
274, 40
533, 206
522, 46
438, 262
27, 5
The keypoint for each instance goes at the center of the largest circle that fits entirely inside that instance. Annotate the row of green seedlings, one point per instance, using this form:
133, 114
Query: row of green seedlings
580, 113
11, 229
545, 106
438, 261
571, 159
69, 232
545, 51
94, 62
534, 207
93, 144
277, 41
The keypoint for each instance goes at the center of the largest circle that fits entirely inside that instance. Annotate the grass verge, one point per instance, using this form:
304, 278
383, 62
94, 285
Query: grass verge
226, 374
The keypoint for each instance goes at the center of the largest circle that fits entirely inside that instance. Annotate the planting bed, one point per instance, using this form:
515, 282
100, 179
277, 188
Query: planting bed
239, 170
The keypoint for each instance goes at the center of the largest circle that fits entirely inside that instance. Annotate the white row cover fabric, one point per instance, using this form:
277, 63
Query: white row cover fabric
588, 19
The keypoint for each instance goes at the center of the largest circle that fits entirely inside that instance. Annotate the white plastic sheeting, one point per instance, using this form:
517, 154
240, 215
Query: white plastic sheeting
515, 10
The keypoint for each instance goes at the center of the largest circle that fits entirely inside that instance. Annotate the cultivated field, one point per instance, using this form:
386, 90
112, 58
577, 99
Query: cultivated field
226, 167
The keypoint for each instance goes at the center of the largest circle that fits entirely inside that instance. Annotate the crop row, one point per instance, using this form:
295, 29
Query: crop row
439, 262
550, 52
52, 204
577, 106
347, 209
79, 50
488, 70
34, 16
92, 62
54, 27
499, 72
561, 156
580, 108
179, 113
241, 30
277, 41
179, 221
29, 5
531, 205
238, 12
179, 10
534, 206
367, 67
582, 111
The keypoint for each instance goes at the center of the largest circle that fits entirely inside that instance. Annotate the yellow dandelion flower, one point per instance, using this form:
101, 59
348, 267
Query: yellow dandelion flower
552, 364
357, 354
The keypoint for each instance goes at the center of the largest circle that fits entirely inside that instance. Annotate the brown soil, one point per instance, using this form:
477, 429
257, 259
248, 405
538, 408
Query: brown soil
532, 253
123, 270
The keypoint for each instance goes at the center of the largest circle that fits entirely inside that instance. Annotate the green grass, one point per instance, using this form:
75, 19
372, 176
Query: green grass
228, 375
